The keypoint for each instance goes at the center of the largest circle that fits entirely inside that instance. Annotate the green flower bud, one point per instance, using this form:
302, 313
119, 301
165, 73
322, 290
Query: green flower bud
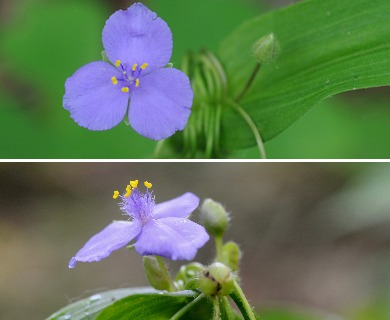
216, 280
214, 217
266, 49
231, 255
155, 275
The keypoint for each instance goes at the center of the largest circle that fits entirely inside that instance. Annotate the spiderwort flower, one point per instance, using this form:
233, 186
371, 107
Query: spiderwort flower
158, 229
157, 100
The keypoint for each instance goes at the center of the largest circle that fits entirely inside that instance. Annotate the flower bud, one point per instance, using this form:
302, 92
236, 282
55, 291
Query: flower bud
155, 275
231, 255
216, 280
214, 217
266, 49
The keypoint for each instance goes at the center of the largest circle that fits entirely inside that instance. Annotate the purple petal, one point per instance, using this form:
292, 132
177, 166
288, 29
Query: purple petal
137, 35
91, 98
174, 238
113, 237
180, 207
161, 104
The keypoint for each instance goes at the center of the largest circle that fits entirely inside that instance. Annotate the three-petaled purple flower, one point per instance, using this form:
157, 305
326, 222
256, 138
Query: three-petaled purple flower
157, 100
158, 229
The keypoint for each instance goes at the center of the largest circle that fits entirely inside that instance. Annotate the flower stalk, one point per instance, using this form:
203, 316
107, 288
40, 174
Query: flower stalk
252, 126
249, 82
242, 303
216, 309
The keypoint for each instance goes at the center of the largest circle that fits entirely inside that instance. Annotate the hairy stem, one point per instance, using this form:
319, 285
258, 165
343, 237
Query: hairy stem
242, 303
216, 309
219, 249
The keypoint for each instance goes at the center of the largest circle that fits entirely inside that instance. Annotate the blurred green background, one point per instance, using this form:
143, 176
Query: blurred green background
315, 236
43, 42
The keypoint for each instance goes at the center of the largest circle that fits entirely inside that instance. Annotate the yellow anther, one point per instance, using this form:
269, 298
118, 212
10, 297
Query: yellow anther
144, 65
134, 67
134, 183
116, 194
147, 184
118, 63
128, 192
114, 80
125, 89
137, 82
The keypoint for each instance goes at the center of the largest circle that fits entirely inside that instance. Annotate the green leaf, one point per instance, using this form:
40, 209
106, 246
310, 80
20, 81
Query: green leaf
90, 307
327, 47
156, 306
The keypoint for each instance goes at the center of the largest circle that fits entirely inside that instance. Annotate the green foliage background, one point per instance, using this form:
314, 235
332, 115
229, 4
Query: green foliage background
44, 42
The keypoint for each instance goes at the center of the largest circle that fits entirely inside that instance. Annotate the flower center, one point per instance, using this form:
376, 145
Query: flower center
130, 76
135, 204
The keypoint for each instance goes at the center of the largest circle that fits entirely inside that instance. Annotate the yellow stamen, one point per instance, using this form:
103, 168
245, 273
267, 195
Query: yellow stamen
134, 67
147, 184
144, 65
128, 192
116, 194
118, 63
114, 80
134, 183
137, 82
125, 89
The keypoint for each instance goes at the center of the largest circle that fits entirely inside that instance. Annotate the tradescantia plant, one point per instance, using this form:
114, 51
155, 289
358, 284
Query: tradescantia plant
263, 78
164, 230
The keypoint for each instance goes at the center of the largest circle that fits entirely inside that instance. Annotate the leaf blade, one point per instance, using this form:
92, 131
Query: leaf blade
327, 47
90, 307
159, 306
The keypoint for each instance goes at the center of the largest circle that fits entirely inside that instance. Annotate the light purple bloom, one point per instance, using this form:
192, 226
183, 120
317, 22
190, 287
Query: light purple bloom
157, 100
158, 229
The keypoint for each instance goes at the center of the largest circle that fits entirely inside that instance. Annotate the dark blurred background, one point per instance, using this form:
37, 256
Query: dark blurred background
43, 42
315, 237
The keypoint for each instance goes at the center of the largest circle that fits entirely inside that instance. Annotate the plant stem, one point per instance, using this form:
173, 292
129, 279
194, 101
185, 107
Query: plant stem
219, 249
161, 264
249, 82
187, 307
252, 126
216, 309
226, 309
242, 303
158, 151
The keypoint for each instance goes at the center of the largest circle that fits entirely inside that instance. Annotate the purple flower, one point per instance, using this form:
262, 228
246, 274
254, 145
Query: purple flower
158, 229
157, 100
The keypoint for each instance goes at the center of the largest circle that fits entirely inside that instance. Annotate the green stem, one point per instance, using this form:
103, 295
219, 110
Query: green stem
227, 310
249, 82
187, 307
219, 249
161, 264
216, 309
159, 148
242, 303
252, 126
